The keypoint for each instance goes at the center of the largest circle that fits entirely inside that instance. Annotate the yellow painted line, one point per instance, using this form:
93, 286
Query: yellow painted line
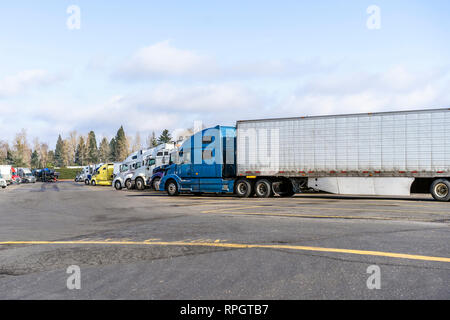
242, 246
318, 201
317, 216
234, 208
225, 210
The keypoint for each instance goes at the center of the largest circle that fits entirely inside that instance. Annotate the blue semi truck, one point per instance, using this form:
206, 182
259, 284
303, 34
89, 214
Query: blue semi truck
207, 163
386, 153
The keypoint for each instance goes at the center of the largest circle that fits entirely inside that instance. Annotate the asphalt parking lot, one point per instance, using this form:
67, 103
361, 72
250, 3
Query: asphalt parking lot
146, 245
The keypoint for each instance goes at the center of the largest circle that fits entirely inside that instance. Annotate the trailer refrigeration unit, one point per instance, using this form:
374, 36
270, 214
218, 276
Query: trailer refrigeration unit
388, 153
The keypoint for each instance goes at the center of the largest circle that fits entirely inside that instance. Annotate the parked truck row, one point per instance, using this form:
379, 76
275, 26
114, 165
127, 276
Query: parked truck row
387, 153
10, 175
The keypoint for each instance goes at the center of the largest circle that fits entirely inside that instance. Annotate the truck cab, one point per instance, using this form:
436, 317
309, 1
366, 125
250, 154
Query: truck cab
15, 178
103, 175
26, 175
206, 163
3, 183
153, 158
123, 178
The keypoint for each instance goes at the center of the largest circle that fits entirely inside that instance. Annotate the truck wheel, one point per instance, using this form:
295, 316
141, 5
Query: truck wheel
128, 184
140, 184
263, 189
93, 182
440, 190
155, 183
118, 185
172, 188
86, 182
243, 189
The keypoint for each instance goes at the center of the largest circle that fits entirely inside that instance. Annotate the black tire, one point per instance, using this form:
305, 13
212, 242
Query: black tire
155, 183
285, 189
128, 184
172, 188
93, 183
243, 188
86, 182
118, 185
263, 189
440, 190
139, 183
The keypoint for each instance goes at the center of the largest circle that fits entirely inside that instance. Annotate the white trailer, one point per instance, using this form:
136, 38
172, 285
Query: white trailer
388, 153
5, 171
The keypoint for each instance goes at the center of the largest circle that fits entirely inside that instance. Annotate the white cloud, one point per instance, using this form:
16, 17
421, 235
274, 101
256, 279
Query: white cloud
162, 59
26, 80
153, 107
394, 89
196, 98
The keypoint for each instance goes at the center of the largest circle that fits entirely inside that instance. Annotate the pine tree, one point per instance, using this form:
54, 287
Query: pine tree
35, 160
121, 148
104, 150
165, 137
59, 152
112, 150
92, 148
151, 140
80, 154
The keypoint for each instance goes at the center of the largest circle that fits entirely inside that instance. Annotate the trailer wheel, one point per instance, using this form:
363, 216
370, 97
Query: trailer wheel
440, 190
86, 182
128, 184
155, 183
140, 184
118, 185
243, 188
172, 188
263, 188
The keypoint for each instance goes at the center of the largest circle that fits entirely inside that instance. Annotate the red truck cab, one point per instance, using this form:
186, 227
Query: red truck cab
14, 176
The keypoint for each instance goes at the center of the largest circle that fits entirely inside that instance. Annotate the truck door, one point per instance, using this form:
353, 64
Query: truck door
103, 176
209, 172
186, 171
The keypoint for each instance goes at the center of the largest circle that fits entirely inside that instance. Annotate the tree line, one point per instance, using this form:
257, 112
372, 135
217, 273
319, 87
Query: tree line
76, 149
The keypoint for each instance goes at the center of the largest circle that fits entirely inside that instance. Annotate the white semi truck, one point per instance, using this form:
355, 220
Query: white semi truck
26, 176
5, 171
153, 158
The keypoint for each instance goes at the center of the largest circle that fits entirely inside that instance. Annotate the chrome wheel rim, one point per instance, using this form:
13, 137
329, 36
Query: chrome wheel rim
441, 190
262, 188
242, 187
172, 188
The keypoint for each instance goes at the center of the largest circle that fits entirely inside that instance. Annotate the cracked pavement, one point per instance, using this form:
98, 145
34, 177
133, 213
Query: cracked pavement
122, 242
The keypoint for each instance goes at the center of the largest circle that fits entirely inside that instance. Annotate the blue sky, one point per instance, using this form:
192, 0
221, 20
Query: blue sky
150, 65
